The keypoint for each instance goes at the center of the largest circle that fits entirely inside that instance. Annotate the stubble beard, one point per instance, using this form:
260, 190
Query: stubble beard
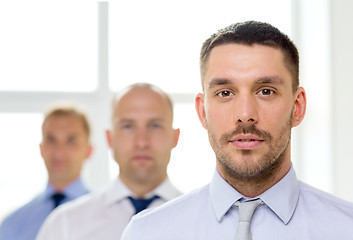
248, 170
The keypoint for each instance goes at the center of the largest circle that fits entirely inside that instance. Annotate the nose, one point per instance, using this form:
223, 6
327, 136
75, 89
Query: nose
59, 150
142, 139
246, 109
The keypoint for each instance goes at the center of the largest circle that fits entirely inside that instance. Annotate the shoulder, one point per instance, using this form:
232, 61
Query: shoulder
64, 219
317, 199
190, 200
26, 210
172, 213
81, 206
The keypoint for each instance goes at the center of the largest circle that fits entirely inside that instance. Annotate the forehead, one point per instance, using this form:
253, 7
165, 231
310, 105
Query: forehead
63, 123
142, 104
239, 61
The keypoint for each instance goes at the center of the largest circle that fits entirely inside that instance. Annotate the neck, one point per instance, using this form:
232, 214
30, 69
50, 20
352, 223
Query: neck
141, 188
253, 187
59, 184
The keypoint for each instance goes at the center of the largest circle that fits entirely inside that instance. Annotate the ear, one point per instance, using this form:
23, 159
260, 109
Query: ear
41, 149
108, 135
89, 151
200, 109
299, 107
176, 137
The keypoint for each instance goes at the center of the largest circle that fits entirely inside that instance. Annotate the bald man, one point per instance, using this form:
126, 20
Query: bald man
141, 139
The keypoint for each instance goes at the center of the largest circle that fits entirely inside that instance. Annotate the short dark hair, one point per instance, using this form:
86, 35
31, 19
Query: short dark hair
68, 109
249, 33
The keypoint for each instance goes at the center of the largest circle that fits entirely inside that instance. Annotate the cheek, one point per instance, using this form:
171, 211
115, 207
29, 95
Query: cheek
273, 118
218, 118
162, 141
77, 150
122, 140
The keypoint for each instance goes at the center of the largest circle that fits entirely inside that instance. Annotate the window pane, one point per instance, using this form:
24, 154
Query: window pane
48, 46
159, 41
22, 171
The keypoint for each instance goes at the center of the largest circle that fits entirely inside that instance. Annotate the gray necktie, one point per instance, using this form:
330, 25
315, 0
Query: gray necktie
246, 211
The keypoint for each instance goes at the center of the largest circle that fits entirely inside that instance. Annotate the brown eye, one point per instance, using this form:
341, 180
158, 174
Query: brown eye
266, 92
224, 94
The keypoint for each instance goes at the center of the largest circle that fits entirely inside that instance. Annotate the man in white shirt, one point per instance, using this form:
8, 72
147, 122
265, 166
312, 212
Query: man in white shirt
251, 100
141, 138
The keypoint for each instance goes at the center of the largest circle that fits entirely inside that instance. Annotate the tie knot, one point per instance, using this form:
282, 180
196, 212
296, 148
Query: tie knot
58, 198
247, 209
142, 203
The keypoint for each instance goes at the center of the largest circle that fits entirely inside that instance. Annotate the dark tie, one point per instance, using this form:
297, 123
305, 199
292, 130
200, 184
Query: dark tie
58, 199
141, 204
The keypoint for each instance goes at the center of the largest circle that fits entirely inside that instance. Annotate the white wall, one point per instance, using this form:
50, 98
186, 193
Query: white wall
342, 97
322, 149
312, 141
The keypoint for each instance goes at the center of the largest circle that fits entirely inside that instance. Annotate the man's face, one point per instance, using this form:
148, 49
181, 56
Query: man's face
64, 148
249, 108
142, 136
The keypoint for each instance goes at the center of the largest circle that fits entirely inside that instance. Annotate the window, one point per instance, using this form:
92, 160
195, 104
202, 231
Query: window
159, 41
22, 169
46, 53
47, 47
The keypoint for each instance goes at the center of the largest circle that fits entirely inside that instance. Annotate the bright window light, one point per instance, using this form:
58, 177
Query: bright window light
22, 170
48, 46
159, 41
193, 161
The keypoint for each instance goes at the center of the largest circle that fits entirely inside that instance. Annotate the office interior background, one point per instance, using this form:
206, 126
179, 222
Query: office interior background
84, 51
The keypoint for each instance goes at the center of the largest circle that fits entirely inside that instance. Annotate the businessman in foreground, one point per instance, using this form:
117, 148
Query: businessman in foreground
251, 100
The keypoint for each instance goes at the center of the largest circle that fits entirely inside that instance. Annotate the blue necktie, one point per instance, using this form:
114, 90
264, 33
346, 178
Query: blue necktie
58, 199
141, 204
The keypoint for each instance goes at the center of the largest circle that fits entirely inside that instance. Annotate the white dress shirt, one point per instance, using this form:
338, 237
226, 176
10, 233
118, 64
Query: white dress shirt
292, 210
100, 215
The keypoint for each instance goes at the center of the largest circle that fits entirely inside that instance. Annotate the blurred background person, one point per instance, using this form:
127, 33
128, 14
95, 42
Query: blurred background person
65, 147
142, 138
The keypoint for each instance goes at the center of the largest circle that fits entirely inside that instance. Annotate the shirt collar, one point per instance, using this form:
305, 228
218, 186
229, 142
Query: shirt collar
118, 191
222, 195
281, 198
73, 190
165, 190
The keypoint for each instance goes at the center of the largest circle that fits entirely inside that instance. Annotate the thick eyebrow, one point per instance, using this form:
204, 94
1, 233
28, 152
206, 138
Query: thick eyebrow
275, 79
218, 82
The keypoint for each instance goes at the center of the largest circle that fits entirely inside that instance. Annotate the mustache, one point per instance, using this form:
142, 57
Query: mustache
245, 129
